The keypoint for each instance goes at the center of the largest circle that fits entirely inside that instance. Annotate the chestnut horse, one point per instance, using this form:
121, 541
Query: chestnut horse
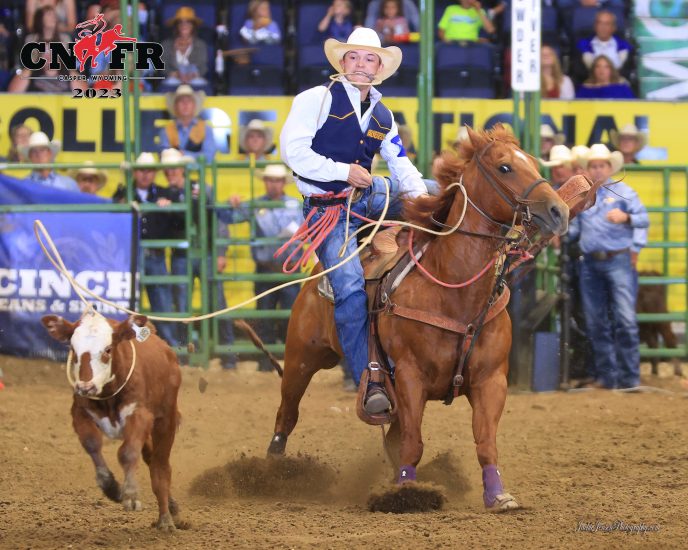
503, 187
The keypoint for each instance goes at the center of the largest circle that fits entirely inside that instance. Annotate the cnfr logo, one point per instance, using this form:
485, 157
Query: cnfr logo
93, 41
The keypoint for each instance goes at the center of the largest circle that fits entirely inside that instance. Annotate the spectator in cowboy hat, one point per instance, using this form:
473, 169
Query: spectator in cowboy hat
185, 55
40, 150
279, 223
629, 140
181, 293
153, 225
187, 132
606, 237
256, 138
90, 179
561, 165
578, 155
548, 139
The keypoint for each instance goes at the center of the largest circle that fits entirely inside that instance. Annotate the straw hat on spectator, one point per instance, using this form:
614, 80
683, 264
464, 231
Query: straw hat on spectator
547, 132
599, 151
185, 89
275, 171
174, 156
89, 170
367, 39
185, 13
256, 125
630, 130
40, 139
558, 155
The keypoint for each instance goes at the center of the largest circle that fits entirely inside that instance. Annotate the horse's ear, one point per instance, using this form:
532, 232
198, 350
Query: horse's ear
475, 137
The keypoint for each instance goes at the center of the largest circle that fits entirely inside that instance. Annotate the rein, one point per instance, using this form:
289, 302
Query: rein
95, 397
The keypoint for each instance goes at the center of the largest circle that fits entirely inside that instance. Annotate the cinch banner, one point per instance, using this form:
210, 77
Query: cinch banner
95, 248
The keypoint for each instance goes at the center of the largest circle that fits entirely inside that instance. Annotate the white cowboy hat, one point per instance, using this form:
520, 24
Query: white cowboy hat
547, 132
367, 39
630, 130
256, 125
461, 136
184, 89
145, 158
173, 156
579, 153
558, 155
89, 170
599, 151
40, 139
275, 171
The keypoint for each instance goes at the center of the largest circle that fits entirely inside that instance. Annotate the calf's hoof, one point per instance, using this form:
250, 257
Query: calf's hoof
166, 523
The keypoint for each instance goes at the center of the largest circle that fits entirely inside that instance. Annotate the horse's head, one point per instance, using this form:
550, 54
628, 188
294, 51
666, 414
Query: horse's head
503, 181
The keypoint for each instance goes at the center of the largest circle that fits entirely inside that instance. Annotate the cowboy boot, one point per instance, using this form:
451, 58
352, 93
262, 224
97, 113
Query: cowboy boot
376, 400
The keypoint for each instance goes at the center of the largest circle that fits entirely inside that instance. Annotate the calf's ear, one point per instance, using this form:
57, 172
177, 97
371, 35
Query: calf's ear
124, 330
59, 328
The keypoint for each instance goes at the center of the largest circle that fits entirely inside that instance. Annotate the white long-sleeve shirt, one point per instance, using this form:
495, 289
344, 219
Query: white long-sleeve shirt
302, 124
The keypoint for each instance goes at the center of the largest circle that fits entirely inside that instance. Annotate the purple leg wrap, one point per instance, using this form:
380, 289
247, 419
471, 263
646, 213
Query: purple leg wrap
406, 473
492, 484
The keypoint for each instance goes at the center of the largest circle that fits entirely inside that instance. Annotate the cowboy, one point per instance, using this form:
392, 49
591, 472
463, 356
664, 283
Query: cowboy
90, 179
548, 139
176, 192
187, 132
272, 223
605, 234
560, 164
153, 225
629, 140
256, 139
328, 140
40, 150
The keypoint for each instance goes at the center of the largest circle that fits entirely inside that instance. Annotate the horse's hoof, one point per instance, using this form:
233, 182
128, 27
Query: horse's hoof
173, 506
132, 504
278, 444
504, 503
166, 524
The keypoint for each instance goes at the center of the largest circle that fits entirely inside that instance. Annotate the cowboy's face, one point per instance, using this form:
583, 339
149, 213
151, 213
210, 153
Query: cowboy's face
363, 64
175, 176
274, 187
88, 183
185, 106
255, 142
600, 170
144, 177
628, 145
546, 145
561, 173
40, 155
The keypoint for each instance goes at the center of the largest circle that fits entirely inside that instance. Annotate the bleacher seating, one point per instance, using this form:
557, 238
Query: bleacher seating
465, 70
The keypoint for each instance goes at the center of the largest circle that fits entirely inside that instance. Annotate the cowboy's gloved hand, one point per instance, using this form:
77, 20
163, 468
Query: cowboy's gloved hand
617, 215
359, 176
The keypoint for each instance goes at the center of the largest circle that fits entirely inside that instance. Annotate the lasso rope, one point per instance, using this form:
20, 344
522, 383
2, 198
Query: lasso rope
95, 397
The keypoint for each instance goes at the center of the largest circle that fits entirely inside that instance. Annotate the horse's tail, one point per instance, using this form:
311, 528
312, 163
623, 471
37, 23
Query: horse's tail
248, 330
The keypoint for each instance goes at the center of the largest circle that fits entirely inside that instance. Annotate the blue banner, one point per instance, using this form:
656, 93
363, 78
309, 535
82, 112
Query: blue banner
95, 247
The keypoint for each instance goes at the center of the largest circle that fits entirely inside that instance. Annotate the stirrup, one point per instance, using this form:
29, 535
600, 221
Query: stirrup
376, 401
383, 401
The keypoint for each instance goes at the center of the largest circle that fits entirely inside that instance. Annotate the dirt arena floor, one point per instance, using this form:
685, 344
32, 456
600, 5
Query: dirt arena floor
586, 467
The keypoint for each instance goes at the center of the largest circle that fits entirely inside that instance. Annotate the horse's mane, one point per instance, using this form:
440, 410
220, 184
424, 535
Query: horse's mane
447, 170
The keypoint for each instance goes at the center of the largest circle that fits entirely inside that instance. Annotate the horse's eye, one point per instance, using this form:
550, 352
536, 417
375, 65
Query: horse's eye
505, 168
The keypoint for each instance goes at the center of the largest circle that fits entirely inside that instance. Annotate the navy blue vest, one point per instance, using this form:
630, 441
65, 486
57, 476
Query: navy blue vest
342, 140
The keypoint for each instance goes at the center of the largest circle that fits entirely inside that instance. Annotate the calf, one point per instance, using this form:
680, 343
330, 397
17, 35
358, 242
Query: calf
141, 410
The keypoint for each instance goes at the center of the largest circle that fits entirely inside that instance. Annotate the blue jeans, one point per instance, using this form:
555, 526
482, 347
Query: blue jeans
348, 283
607, 288
160, 296
183, 301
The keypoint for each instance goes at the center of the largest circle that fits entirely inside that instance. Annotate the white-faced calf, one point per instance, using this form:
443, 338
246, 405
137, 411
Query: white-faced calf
126, 381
